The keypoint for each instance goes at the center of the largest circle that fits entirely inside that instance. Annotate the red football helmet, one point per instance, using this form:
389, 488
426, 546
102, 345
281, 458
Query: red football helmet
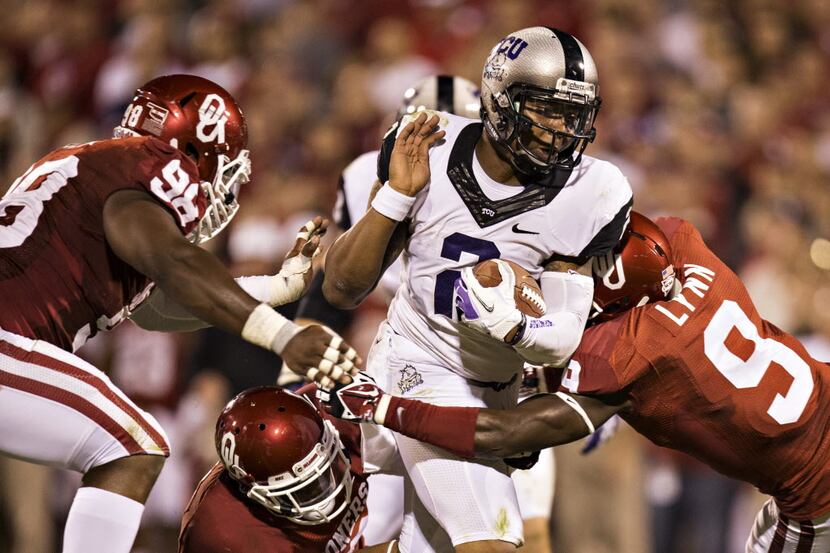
284, 455
203, 120
637, 272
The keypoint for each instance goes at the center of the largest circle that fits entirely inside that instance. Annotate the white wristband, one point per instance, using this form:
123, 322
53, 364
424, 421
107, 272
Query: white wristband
391, 203
382, 408
268, 329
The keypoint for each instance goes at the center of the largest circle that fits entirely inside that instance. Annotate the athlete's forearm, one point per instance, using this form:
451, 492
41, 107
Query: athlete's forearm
145, 236
356, 260
198, 282
553, 338
160, 313
538, 423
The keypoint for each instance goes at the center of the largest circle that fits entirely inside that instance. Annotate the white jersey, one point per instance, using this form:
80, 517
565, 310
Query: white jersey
463, 217
356, 183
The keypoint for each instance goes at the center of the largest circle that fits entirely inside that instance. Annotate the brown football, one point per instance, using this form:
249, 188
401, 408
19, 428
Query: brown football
527, 293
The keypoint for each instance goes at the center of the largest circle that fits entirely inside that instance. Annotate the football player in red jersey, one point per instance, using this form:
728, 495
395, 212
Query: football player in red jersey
290, 479
87, 234
697, 369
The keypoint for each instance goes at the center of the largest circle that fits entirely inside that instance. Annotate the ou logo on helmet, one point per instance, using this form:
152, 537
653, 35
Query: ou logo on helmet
212, 116
227, 451
610, 269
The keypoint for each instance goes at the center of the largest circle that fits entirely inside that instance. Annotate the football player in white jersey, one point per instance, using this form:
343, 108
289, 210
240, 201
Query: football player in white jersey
517, 187
534, 487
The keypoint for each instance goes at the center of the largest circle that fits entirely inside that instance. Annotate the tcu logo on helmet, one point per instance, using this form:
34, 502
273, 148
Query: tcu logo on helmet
212, 113
230, 459
605, 267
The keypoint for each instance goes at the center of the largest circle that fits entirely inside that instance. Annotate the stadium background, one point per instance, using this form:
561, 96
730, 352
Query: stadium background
717, 111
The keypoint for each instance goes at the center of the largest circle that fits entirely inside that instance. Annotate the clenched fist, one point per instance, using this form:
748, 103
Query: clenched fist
321, 356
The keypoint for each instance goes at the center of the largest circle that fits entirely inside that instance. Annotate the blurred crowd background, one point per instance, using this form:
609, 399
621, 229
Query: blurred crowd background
717, 111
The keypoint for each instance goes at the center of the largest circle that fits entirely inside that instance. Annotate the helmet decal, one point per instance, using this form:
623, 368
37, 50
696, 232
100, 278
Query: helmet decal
605, 267
494, 69
212, 113
511, 47
227, 452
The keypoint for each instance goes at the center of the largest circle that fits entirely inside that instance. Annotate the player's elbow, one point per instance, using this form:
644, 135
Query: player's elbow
339, 294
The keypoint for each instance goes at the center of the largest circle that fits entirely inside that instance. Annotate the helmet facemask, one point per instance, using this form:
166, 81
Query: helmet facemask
540, 129
222, 195
318, 488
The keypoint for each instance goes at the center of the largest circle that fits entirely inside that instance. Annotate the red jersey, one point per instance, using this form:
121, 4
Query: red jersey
220, 518
705, 374
59, 280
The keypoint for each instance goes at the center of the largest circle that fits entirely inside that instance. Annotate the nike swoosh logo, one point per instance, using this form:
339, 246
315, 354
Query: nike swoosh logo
517, 230
489, 308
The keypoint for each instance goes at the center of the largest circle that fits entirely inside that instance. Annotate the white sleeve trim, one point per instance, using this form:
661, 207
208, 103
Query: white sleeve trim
574, 404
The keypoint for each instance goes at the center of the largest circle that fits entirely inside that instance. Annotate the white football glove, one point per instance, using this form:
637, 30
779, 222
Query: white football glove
491, 310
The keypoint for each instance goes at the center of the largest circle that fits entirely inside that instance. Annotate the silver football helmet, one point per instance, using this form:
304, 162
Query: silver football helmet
454, 95
540, 97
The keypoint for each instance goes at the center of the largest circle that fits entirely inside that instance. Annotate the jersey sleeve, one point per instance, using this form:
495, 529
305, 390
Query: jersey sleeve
150, 165
610, 234
601, 363
173, 180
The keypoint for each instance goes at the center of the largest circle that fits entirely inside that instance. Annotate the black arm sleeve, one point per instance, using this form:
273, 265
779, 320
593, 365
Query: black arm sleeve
314, 306
609, 236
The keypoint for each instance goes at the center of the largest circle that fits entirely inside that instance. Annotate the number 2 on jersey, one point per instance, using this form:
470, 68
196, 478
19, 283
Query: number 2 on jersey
785, 409
454, 245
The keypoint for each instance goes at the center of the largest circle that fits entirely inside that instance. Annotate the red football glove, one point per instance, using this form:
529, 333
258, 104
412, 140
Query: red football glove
359, 401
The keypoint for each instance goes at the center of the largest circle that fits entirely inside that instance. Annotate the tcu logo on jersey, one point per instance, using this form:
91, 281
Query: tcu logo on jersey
212, 116
605, 266
227, 451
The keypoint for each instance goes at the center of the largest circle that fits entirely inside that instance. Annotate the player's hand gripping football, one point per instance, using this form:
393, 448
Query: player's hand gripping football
490, 310
359, 401
298, 269
409, 164
321, 356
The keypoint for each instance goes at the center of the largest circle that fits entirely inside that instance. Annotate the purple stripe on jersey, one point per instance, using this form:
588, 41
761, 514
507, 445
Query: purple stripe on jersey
780, 537
805, 540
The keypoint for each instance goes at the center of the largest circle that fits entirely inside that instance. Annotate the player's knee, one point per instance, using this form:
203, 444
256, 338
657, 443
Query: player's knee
132, 476
487, 546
